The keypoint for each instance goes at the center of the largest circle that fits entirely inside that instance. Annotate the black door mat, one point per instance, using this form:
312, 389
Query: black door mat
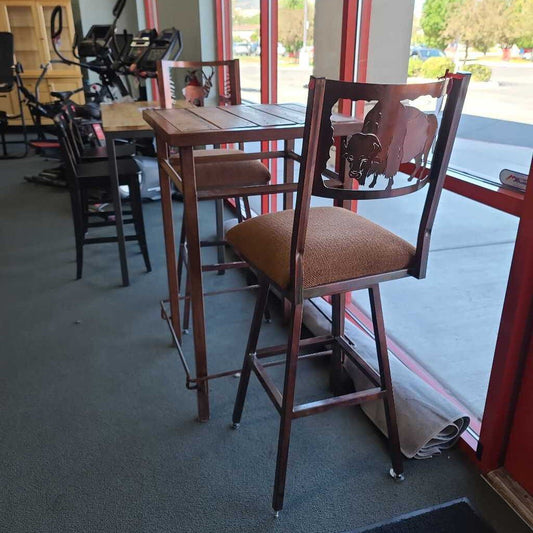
456, 516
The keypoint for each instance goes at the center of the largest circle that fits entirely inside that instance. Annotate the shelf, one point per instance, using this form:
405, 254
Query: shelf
29, 21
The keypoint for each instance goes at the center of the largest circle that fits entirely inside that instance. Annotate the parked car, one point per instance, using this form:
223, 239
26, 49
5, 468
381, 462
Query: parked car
241, 49
425, 53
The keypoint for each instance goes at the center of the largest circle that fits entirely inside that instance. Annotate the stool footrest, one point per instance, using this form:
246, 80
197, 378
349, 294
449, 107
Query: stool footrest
101, 240
106, 223
282, 348
310, 408
224, 266
357, 360
353, 398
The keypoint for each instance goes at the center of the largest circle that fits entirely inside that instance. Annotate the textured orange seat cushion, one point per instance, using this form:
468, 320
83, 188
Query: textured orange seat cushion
340, 245
227, 174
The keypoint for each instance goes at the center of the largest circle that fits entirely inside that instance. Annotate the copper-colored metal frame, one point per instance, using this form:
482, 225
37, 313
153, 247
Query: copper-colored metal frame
317, 141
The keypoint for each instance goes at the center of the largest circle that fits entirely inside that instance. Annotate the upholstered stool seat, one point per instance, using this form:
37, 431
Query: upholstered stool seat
340, 245
222, 174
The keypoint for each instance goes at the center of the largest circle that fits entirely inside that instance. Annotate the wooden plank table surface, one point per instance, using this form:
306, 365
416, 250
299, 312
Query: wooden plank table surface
236, 123
128, 116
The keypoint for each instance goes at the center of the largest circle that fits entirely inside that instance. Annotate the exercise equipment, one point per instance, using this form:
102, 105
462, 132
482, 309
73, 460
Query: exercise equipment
165, 46
118, 55
97, 43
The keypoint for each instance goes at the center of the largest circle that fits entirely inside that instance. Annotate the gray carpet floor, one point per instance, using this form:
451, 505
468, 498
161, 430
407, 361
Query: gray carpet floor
98, 433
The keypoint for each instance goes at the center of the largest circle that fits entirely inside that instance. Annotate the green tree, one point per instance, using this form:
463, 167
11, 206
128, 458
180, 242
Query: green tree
506, 20
524, 11
489, 22
434, 21
481, 29
290, 26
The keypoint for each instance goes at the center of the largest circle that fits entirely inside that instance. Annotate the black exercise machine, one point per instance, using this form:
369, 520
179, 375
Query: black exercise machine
118, 55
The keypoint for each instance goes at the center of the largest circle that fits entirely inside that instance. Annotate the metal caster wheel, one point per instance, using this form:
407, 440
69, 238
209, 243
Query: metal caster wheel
235, 425
185, 331
395, 476
276, 514
268, 321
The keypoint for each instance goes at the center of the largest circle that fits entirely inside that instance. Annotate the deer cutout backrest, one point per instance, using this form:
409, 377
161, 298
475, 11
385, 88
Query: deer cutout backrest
202, 76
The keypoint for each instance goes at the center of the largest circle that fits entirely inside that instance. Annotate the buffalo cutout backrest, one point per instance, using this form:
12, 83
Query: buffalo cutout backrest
394, 134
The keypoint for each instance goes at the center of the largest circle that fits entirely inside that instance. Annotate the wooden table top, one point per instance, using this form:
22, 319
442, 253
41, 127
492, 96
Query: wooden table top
128, 116
236, 123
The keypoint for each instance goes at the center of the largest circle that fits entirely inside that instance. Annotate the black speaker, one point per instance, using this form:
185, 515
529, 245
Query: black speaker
6, 62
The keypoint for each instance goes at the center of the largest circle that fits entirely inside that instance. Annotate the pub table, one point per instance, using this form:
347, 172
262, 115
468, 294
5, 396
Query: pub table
186, 128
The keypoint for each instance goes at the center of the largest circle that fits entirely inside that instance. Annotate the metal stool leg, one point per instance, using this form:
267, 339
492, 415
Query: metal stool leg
251, 346
386, 382
138, 220
77, 219
287, 406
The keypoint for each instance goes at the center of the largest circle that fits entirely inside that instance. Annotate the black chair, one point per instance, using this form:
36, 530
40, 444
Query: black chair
90, 153
83, 177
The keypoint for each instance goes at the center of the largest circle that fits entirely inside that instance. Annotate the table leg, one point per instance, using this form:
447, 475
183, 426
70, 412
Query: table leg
117, 207
170, 245
190, 202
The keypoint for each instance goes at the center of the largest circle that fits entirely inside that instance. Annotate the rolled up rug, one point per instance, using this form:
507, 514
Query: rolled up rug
428, 423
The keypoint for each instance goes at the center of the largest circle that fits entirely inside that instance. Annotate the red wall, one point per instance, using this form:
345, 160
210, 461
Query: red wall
519, 457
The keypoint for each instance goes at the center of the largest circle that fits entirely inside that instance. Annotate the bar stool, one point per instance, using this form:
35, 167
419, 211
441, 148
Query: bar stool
313, 252
213, 176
